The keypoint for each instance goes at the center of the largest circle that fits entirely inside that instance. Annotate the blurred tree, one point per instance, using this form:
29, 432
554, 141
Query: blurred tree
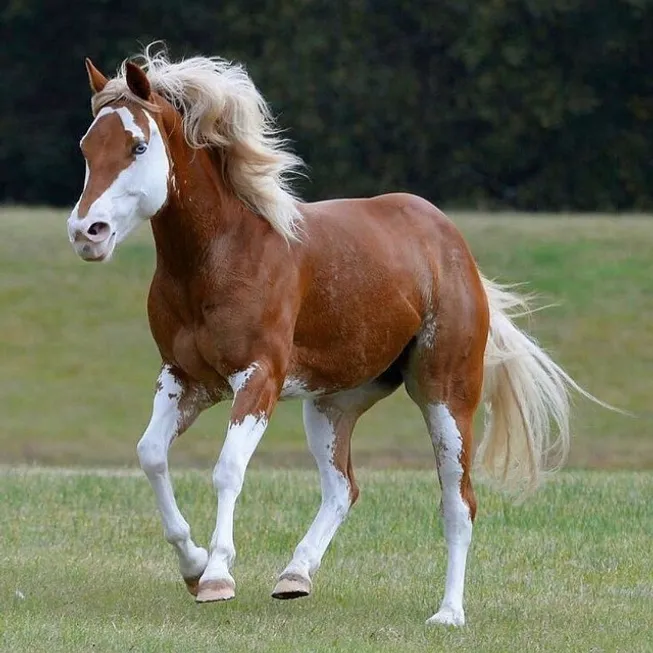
532, 104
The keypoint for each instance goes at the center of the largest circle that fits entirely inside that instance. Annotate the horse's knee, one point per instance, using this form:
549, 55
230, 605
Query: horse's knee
341, 497
228, 475
152, 455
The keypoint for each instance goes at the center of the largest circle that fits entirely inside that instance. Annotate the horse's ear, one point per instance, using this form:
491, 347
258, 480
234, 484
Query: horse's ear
95, 78
137, 81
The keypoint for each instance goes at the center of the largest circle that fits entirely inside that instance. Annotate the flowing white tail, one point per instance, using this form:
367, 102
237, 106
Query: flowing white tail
527, 399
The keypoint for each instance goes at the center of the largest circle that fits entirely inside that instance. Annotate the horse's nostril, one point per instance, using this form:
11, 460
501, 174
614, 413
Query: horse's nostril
98, 229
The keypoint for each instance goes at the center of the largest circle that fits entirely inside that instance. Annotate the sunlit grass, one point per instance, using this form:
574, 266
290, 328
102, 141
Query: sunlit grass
79, 363
84, 567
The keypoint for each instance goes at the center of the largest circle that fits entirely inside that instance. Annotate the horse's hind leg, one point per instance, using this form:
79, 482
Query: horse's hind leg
446, 384
451, 435
329, 422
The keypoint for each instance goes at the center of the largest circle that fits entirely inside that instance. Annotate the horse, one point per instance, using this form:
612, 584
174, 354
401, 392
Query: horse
259, 297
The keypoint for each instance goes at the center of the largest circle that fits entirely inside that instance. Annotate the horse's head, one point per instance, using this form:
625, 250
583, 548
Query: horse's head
127, 168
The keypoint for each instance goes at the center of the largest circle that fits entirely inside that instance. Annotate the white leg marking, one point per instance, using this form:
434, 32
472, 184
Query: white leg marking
447, 442
152, 451
228, 476
321, 435
239, 380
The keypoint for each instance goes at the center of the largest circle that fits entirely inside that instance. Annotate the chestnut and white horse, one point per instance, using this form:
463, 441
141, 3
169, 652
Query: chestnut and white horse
259, 297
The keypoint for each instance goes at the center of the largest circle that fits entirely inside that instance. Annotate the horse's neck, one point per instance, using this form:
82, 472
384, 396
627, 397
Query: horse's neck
200, 210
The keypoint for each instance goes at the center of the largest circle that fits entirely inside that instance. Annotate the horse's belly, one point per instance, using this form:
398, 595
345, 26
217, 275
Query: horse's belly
347, 353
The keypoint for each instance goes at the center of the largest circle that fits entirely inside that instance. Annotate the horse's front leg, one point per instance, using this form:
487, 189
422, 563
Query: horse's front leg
176, 405
256, 391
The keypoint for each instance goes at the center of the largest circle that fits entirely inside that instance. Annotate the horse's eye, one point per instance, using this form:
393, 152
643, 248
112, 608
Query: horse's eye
140, 148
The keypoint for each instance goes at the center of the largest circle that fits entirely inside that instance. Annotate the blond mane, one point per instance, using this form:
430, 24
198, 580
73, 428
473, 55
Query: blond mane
222, 108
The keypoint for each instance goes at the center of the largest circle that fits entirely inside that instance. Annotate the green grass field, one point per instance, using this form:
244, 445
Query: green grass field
568, 571
79, 364
84, 566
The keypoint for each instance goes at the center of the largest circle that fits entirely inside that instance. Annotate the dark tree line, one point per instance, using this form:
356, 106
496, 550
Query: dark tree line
530, 104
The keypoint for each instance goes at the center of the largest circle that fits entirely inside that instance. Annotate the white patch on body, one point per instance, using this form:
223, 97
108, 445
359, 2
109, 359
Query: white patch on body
427, 334
153, 456
294, 387
447, 442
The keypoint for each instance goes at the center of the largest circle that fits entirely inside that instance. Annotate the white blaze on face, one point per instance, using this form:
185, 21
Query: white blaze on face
129, 122
140, 190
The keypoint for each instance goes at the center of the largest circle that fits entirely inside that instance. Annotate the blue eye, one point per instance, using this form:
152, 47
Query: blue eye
140, 148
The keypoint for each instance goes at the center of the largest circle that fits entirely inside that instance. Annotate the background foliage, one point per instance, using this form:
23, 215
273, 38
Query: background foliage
529, 104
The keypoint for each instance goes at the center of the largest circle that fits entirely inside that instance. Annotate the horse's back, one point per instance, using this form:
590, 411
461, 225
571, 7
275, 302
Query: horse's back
402, 222
397, 234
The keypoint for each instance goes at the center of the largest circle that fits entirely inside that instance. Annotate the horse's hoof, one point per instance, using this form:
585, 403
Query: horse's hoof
447, 617
292, 586
192, 585
215, 590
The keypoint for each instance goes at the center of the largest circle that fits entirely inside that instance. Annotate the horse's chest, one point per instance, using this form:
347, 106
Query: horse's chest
187, 355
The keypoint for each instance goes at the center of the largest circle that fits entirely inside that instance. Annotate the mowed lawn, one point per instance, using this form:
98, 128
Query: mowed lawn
84, 567
79, 364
